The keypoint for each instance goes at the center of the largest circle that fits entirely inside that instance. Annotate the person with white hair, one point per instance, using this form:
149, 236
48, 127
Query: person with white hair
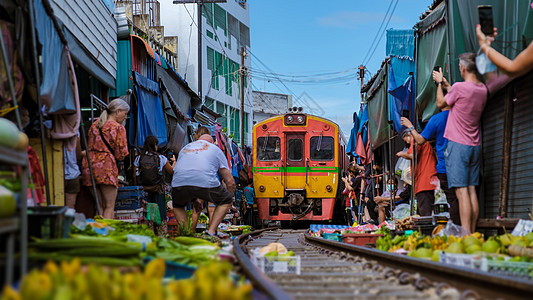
107, 143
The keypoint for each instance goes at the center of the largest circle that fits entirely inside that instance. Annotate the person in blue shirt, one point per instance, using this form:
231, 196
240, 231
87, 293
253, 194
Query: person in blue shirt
435, 130
249, 196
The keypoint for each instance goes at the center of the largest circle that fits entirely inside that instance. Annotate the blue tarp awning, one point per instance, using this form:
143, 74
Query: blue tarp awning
149, 116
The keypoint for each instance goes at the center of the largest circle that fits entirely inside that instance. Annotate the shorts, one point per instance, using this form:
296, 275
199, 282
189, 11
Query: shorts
462, 164
72, 186
184, 194
424, 203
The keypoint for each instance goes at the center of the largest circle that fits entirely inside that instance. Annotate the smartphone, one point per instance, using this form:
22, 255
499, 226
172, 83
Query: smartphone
405, 113
436, 69
485, 19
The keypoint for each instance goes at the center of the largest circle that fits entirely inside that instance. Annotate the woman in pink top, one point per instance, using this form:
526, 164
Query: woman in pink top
463, 153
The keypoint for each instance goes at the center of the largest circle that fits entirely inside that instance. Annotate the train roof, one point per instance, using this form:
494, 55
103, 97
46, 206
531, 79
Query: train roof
301, 113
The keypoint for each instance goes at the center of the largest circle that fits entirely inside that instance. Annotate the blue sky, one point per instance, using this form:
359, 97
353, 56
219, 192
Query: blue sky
299, 37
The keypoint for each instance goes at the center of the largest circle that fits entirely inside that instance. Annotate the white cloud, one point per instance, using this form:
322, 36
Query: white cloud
350, 19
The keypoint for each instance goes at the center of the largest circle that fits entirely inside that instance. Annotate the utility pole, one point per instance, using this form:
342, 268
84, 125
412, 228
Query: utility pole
362, 77
199, 25
242, 73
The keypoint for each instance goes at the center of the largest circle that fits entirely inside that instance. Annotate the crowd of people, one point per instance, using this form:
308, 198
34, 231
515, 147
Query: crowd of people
200, 176
456, 159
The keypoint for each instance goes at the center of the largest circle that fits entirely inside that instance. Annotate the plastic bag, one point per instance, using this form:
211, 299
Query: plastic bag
401, 211
452, 229
403, 169
440, 196
79, 221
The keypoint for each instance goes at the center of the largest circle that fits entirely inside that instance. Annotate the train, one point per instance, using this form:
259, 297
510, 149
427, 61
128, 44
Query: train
298, 162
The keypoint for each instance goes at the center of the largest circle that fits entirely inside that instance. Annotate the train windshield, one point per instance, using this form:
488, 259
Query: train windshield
322, 148
295, 151
268, 148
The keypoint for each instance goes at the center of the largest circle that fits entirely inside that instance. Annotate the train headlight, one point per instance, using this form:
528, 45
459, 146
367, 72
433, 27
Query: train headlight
262, 188
300, 119
289, 118
328, 188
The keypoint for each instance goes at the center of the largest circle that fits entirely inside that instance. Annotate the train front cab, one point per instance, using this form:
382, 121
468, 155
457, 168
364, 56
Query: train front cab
296, 168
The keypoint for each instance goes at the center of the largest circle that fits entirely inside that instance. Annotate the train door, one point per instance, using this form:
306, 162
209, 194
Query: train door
295, 164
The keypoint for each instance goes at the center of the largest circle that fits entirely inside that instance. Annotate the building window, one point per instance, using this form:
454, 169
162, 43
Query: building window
220, 19
221, 109
207, 12
212, 62
209, 33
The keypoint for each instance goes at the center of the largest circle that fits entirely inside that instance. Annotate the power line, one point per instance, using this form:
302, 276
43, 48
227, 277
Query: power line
378, 32
381, 36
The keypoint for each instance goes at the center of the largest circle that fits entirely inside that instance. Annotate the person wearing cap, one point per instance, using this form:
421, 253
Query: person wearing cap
434, 129
425, 169
467, 100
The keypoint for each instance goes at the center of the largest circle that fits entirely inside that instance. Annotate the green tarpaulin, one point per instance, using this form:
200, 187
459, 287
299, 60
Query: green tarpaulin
510, 18
432, 46
377, 110
450, 30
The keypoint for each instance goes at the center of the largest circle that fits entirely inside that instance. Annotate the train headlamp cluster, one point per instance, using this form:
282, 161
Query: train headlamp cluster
295, 119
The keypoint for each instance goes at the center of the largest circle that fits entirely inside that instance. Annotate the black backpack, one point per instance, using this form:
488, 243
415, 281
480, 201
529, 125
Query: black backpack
149, 170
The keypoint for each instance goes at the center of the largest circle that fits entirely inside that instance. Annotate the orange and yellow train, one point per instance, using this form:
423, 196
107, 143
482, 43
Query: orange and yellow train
298, 162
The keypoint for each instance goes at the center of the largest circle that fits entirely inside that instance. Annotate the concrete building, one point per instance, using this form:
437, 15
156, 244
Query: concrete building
225, 30
267, 105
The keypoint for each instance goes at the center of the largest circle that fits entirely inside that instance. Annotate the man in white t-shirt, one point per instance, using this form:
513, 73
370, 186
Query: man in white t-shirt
195, 177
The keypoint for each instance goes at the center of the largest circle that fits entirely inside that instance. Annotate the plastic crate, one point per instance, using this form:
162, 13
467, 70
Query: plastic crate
511, 268
278, 264
129, 215
130, 198
175, 270
332, 236
470, 261
130, 192
360, 239
47, 222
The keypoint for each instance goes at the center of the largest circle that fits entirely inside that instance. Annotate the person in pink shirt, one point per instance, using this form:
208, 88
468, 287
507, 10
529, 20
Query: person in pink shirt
467, 100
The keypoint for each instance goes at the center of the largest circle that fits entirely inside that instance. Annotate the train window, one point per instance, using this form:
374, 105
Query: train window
268, 148
322, 148
295, 149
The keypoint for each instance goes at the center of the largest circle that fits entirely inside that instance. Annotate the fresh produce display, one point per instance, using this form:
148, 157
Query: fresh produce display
8, 202
406, 223
185, 250
120, 229
210, 282
203, 218
98, 250
70, 280
503, 249
11, 137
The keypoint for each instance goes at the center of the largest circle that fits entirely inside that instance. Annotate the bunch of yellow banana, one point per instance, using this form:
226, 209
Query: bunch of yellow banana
70, 281
212, 281
438, 242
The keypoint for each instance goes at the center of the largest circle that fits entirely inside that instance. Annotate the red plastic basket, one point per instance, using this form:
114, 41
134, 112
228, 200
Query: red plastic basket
360, 239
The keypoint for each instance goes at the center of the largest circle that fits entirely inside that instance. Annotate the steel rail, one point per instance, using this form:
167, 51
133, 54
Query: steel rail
258, 279
489, 286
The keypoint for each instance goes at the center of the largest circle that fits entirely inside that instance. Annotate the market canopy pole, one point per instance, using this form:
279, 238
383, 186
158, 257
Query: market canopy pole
242, 72
39, 100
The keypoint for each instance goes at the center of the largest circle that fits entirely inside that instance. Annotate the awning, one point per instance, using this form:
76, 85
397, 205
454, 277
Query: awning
149, 49
149, 118
86, 61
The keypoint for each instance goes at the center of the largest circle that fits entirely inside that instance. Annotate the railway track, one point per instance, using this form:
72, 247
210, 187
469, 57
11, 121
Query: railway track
334, 270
